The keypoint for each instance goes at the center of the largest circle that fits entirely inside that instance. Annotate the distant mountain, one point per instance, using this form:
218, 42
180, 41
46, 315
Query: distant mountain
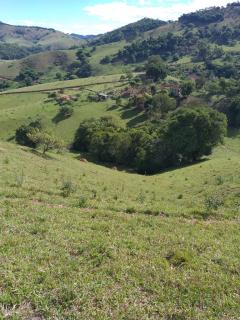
81, 37
191, 35
129, 32
213, 15
19, 41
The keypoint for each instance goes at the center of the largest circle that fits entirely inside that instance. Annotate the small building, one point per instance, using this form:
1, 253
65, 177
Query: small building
102, 96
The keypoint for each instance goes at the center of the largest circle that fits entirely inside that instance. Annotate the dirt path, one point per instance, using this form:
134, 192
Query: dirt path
83, 86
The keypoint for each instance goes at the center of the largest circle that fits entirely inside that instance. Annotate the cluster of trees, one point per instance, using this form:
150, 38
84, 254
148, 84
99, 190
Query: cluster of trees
231, 108
226, 70
155, 106
183, 137
33, 136
229, 103
205, 52
221, 35
129, 32
9, 51
65, 111
199, 28
23, 132
156, 69
169, 45
4, 84
80, 68
28, 77
205, 16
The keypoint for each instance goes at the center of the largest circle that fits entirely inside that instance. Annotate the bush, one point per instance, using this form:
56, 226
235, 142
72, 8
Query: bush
187, 88
82, 203
156, 69
66, 111
68, 188
22, 134
45, 140
212, 203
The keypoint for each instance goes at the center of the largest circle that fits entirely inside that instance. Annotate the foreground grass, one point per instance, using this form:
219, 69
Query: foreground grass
64, 263
119, 245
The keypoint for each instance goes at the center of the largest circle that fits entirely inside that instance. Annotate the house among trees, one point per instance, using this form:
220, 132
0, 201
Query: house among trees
102, 96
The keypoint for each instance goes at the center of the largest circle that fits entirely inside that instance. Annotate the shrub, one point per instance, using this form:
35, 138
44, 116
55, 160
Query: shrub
23, 132
82, 203
212, 203
45, 140
178, 258
66, 111
68, 188
130, 210
156, 69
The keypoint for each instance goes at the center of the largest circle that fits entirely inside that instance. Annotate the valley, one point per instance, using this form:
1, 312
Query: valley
119, 171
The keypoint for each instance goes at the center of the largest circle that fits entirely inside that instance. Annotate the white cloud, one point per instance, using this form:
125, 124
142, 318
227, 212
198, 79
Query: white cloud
111, 15
120, 12
78, 28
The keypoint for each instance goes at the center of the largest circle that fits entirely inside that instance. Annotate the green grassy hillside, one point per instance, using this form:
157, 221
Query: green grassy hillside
85, 240
33, 36
18, 109
51, 62
224, 34
48, 63
121, 245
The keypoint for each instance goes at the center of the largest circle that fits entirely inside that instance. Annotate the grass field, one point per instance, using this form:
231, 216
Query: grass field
70, 83
81, 240
18, 109
47, 63
120, 245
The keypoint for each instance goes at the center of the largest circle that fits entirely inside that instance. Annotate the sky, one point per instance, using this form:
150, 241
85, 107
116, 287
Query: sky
95, 16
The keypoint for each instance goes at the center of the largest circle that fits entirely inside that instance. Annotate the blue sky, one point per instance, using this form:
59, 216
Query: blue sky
95, 16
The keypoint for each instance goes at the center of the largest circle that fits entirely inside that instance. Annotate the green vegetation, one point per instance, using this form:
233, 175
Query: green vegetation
184, 137
83, 234
128, 32
164, 238
215, 14
45, 140
155, 69
34, 38
10, 51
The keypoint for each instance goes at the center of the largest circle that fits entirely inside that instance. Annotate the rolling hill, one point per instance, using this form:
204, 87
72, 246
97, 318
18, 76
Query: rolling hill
51, 62
36, 36
87, 239
118, 238
128, 47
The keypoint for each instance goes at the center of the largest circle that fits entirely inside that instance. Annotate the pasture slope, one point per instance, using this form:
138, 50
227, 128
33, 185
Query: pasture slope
24, 105
84, 241
118, 245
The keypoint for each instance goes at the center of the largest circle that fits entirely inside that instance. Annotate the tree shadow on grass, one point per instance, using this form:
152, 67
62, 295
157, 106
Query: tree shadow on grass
137, 120
134, 116
129, 113
11, 139
233, 133
39, 154
186, 165
58, 118
113, 107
